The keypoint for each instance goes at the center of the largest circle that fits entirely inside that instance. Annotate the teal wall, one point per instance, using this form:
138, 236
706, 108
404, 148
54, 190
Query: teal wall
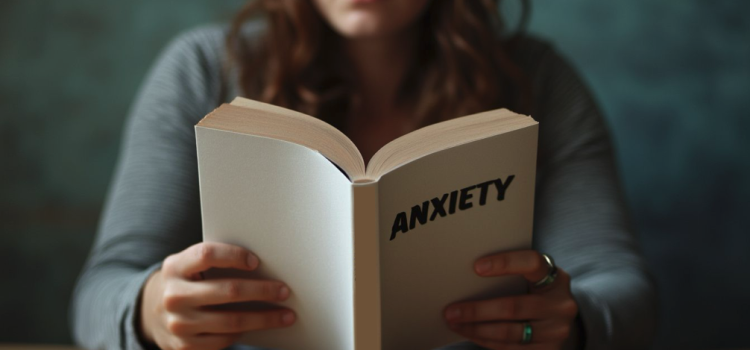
672, 76
674, 80
68, 73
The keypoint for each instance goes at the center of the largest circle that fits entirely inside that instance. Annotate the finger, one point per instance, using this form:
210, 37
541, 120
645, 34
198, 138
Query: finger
206, 255
527, 263
511, 308
547, 331
562, 279
230, 322
208, 341
222, 291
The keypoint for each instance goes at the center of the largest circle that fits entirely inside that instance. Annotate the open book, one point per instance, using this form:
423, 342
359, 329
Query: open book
372, 254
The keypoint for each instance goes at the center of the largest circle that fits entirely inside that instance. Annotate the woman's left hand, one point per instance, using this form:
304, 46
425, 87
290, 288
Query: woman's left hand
499, 323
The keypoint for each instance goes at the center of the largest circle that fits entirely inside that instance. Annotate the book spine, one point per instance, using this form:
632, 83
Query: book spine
367, 333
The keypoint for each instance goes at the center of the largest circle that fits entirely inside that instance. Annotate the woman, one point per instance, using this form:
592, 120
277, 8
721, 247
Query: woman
377, 70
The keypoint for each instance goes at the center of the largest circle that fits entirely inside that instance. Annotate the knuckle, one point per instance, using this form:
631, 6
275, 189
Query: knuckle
170, 304
504, 332
508, 334
569, 308
536, 262
205, 253
500, 262
176, 326
169, 265
271, 319
512, 308
468, 312
172, 299
565, 332
265, 291
233, 289
234, 322
241, 254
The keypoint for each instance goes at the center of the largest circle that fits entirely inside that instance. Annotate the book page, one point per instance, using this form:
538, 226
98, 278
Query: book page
438, 214
291, 207
260, 119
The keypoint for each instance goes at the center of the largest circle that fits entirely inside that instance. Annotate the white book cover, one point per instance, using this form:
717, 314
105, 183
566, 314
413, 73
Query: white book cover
371, 264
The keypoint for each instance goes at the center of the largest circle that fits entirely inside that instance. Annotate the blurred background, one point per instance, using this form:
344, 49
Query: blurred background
673, 78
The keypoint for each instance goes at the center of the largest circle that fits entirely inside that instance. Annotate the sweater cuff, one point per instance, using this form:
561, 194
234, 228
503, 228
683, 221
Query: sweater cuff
596, 317
130, 337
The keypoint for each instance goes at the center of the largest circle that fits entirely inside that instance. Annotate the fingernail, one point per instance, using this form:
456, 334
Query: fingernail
252, 261
283, 292
287, 318
484, 267
453, 313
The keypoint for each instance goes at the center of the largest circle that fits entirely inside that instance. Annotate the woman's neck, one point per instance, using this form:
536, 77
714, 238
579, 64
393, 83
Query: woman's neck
380, 65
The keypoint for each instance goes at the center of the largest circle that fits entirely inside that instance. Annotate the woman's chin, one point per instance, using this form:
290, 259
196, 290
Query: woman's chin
364, 26
370, 18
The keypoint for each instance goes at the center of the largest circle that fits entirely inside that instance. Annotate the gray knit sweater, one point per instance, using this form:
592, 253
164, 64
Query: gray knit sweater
153, 208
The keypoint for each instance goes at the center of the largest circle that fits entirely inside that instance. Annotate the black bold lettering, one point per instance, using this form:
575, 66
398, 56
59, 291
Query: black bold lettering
399, 225
438, 207
483, 191
502, 187
465, 196
419, 214
452, 204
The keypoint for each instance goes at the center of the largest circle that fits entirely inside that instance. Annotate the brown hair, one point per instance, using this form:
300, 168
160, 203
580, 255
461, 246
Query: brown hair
463, 66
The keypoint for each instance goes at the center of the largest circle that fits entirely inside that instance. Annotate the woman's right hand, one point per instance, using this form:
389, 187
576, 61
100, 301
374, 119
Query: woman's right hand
173, 311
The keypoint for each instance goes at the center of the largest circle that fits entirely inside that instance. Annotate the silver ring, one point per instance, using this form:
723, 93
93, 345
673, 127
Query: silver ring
551, 273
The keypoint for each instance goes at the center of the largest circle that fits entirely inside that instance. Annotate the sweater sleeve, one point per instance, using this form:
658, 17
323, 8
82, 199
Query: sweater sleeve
581, 218
152, 208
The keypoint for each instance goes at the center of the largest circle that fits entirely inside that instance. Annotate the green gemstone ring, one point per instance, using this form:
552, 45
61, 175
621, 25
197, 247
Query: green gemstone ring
526, 333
